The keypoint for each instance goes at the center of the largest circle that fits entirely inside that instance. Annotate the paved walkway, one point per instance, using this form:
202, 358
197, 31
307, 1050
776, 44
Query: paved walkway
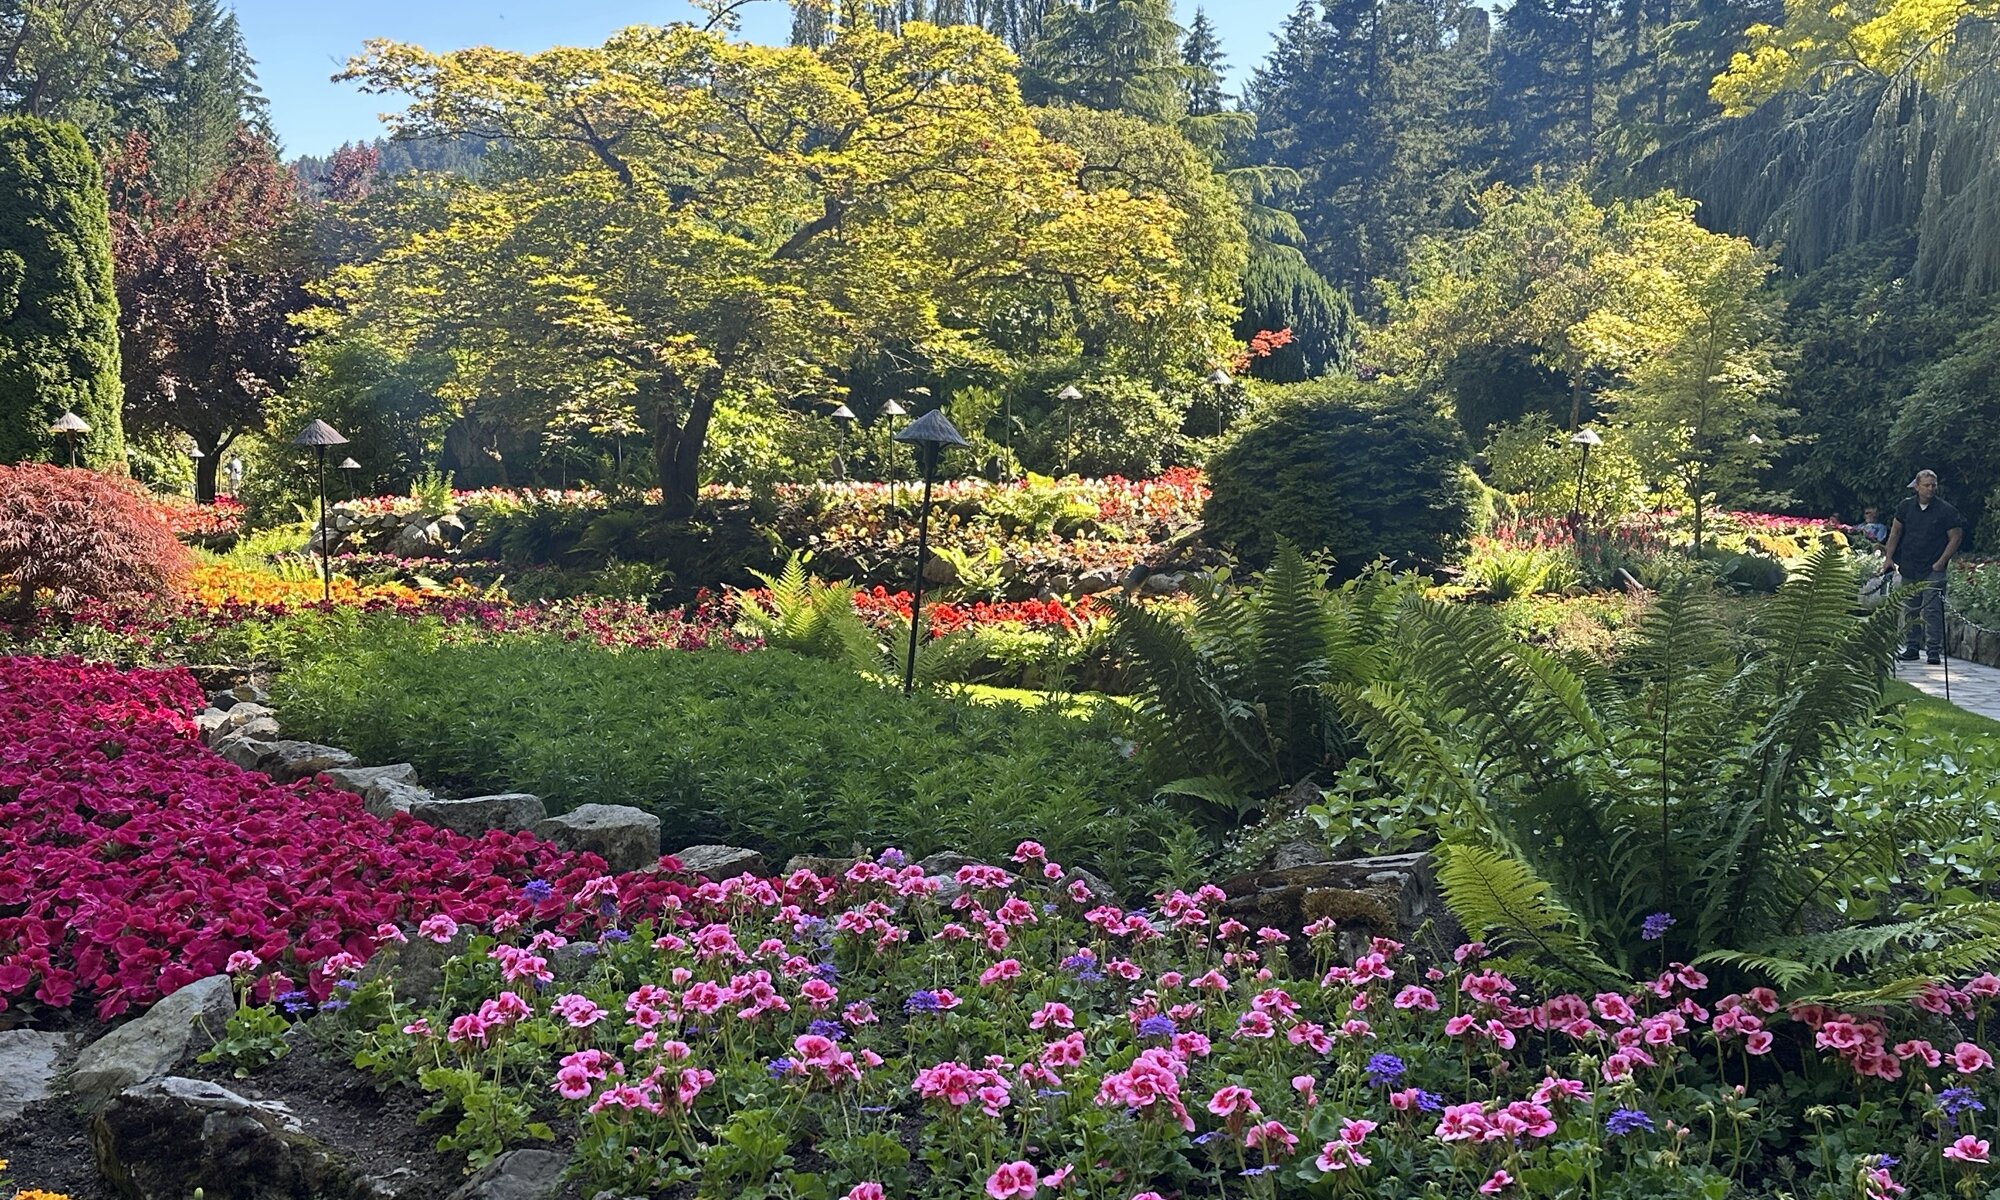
1974, 688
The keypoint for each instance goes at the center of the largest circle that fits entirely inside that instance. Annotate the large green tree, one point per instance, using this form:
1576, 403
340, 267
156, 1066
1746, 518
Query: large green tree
66, 58
1381, 107
58, 309
682, 214
1113, 55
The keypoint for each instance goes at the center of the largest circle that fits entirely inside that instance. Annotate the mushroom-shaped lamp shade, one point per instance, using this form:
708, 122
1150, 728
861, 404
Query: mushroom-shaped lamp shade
1219, 378
1754, 440
1585, 437
893, 409
196, 453
931, 430
842, 413
69, 422
348, 464
319, 433
1069, 395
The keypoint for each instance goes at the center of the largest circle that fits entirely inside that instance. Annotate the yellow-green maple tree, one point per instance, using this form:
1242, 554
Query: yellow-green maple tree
676, 214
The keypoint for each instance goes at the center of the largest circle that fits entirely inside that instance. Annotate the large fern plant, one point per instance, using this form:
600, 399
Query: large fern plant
1235, 695
816, 618
1590, 798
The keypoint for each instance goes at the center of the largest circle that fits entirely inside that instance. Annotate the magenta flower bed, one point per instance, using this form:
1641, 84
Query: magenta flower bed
136, 860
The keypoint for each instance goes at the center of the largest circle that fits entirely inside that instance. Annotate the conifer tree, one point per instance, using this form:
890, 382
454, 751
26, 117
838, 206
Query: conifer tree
1201, 53
1111, 55
58, 310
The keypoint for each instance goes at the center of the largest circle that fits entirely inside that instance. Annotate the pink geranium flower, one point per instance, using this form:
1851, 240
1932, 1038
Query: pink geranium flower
1011, 1180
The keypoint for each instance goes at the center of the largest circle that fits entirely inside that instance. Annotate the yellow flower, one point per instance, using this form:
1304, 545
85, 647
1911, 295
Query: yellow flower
39, 1194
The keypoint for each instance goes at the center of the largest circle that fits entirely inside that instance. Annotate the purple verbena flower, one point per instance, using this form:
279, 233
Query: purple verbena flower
1655, 927
1627, 1120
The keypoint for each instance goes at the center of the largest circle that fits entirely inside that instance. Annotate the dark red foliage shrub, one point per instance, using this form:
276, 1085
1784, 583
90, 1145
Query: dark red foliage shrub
67, 536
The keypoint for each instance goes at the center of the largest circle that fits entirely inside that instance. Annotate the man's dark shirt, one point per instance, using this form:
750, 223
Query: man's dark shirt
1925, 532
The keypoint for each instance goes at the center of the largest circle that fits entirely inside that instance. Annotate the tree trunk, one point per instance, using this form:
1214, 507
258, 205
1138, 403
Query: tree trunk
205, 469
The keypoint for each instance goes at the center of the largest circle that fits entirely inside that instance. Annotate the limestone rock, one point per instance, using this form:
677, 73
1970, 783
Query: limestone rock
172, 1031
387, 798
511, 811
363, 781
242, 693
212, 724
626, 838
247, 752
163, 1139
28, 1061
818, 864
516, 1175
244, 711
302, 760
1164, 584
263, 729
721, 862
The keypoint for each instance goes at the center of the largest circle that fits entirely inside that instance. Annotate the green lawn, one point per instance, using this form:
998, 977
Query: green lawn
1929, 715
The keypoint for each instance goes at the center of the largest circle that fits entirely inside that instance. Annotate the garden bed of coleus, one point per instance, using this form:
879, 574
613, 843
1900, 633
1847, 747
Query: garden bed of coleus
137, 861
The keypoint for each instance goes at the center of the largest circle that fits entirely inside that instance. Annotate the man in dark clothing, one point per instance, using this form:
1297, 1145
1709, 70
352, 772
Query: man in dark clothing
1926, 533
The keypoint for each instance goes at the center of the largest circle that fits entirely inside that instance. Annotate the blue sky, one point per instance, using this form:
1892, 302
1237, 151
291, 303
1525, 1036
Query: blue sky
298, 44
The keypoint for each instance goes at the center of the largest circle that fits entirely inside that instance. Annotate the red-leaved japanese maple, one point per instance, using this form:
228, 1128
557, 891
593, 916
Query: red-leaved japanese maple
67, 536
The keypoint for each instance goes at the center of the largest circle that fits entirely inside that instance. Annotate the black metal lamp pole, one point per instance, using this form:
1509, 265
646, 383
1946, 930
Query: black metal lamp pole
1586, 438
930, 434
319, 435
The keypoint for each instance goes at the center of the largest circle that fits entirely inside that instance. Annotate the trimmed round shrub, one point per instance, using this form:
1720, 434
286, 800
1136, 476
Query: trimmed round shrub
1357, 470
67, 536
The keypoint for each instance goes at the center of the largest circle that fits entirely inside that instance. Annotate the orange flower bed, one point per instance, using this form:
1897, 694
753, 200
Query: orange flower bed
219, 585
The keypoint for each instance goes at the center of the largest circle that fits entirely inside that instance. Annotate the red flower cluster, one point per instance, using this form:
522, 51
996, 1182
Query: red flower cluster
190, 520
942, 618
137, 861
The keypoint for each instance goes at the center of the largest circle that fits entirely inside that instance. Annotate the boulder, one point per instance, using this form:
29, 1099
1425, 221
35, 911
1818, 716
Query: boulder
263, 729
171, 1033
1164, 584
1386, 896
516, 1175
302, 760
244, 693
163, 1139
510, 811
416, 968
211, 723
626, 838
243, 712
364, 781
721, 862
819, 864
247, 752
1095, 580
387, 798
28, 1061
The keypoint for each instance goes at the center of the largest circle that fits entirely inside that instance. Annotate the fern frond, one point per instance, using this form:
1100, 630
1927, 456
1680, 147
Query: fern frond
1498, 896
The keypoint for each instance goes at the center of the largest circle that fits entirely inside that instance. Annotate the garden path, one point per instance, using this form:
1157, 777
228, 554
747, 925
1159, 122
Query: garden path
1974, 688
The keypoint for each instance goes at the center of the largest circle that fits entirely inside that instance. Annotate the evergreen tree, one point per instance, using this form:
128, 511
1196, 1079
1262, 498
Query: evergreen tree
1111, 55
68, 59
1201, 54
192, 108
1280, 291
1380, 106
58, 309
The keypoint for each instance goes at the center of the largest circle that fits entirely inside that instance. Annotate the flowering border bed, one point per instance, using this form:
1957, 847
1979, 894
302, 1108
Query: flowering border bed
137, 861
860, 1036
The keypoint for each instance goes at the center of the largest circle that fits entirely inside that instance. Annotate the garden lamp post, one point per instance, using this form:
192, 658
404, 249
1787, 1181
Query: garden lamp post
843, 417
195, 456
1585, 438
890, 411
1069, 396
350, 466
1219, 380
71, 428
319, 435
928, 435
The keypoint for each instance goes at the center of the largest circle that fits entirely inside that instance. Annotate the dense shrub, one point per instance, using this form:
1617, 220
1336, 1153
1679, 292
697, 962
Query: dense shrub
1535, 465
68, 536
1951, 423
58, 312
764, 749
1350, 468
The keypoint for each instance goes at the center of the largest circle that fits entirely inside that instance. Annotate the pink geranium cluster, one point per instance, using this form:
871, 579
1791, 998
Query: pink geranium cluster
137, 861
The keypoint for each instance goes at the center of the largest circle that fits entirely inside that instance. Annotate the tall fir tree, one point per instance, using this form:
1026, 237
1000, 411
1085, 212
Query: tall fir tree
58, 306
192, 108
1201, 54
1110, 55
1382, 108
